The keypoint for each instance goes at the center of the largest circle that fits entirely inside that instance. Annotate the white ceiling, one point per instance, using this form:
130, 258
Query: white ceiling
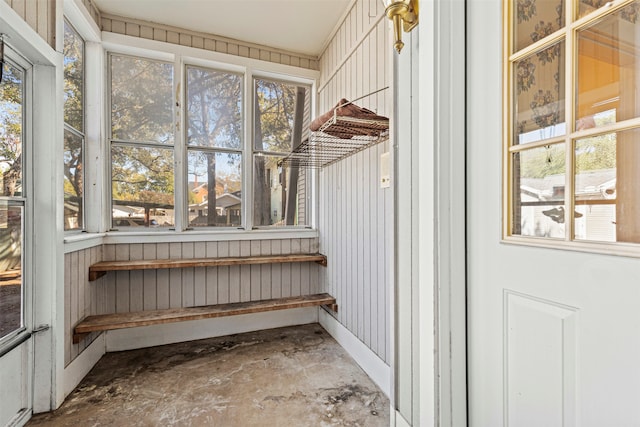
301, 26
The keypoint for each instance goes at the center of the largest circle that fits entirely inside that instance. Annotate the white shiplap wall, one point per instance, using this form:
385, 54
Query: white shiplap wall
355, 213
125, 291
40, 15
81, 297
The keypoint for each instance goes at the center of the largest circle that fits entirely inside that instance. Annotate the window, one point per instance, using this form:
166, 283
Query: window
215, 129
74, 135
141, 143
228, 166
12, 203
282, 117
573, 141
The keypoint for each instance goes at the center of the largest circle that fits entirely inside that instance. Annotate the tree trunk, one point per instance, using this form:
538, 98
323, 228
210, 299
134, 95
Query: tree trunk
262, 197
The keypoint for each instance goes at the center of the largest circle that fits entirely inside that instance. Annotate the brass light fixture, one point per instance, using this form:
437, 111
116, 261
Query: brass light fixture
404, 14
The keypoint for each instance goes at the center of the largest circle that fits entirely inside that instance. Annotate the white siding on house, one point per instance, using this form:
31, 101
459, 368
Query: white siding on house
355, 221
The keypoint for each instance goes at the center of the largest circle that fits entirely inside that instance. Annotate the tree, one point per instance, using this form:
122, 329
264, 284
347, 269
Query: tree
11, 130
73, 50
141, 122
275, 117
214, 120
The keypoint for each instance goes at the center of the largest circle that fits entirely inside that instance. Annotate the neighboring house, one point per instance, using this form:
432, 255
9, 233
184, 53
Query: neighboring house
542, 201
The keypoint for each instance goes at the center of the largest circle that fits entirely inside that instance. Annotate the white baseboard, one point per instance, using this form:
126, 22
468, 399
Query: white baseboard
81, 365
399, 420
169, 333
375, 367
20, 419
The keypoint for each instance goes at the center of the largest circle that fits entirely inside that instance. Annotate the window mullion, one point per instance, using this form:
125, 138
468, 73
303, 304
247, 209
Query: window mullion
247, 158
179, 148
570, 116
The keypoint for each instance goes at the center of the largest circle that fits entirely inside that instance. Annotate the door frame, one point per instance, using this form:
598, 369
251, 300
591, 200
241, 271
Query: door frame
430, 323
45, 260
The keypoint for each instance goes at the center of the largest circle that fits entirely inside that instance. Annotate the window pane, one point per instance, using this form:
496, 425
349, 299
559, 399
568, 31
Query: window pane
536, 19
141, 100
73, 180
539, 95
73, 78
607, 69
279, 193
607, 194
142, 186
538, 192
588, 6
275, 113
215, 185
11, 290
214, 110
11, 99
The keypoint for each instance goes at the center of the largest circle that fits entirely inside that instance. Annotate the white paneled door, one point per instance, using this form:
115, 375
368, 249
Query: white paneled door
553, 334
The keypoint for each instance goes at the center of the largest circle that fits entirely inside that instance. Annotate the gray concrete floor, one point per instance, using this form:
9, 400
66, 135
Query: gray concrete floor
297, 376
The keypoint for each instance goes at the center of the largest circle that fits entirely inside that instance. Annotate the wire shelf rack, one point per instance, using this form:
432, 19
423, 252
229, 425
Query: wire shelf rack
338, 138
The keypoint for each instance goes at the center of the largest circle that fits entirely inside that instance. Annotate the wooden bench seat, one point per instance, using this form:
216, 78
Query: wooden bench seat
108, 322
101, 268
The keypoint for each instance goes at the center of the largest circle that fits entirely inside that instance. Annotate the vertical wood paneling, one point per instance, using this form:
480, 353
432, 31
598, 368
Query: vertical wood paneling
265, 271
110, 281
276, 270
122, 281
200, 276
212, 275
67, 309
39, 15
136, 283
286, 269
81, 297
355, 224
255, 248
124, 291
150, 279
188, 38
188, 284
162, 278
224, 276
175, 277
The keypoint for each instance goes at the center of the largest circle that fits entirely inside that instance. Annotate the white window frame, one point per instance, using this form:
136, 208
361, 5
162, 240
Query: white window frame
566, 34
312, 203
94, 173
81, 132
17, 336
182, 56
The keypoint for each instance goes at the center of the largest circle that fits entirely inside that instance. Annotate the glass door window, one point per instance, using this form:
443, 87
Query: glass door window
12, 293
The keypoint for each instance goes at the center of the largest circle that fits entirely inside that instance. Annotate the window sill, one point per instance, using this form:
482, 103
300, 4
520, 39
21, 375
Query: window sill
78, 241
631, 250
206, 235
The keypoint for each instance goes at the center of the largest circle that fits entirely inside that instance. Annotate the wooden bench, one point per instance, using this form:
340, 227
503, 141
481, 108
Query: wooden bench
108, 322
101, 268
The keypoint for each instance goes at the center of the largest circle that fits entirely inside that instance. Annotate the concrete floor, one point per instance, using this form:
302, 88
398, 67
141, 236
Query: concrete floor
297, 376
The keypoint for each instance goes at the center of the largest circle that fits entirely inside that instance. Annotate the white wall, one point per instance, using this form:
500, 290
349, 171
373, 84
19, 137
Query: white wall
356, 215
